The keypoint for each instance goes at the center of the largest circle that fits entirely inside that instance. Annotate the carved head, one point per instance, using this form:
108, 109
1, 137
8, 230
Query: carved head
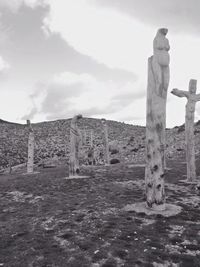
163, 31
193, 86
28, 122
79, 116
76, 118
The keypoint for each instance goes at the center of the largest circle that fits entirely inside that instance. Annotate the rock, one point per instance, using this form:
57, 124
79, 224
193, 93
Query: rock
114, 161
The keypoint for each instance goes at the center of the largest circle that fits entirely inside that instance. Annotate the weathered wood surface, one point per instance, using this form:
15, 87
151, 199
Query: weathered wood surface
92, 138
87, 146
192, 98
74, 147
106, 142
91, 149
158, 81
31, 144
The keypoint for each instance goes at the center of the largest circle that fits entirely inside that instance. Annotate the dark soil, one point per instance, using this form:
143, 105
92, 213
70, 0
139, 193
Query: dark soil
47, 221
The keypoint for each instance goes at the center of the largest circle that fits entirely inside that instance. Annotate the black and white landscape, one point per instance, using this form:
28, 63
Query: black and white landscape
99, 133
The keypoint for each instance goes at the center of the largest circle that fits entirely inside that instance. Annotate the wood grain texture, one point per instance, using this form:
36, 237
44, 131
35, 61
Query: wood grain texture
192, 98
75, 140
106, 142
31, 145
158, 81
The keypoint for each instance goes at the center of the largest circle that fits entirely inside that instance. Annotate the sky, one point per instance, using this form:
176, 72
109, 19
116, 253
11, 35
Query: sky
59, 58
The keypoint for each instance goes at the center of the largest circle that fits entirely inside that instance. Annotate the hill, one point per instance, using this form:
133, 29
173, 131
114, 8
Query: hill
127, 142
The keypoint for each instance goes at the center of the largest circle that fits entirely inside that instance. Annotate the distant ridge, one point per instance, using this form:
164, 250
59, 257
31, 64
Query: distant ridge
9, 122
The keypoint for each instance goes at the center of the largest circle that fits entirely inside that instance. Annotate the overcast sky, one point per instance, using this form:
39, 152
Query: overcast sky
63, 57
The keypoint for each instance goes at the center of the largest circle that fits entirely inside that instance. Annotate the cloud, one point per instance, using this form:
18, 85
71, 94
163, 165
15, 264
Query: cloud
121, 36
35, 57
35, 102
58, 100
31, 114
35, 54
131, 118
99, 52
98, 111
179, 15
116, 104
55, 98
67, 94
4, 66
14, 5
126, 99
105, 36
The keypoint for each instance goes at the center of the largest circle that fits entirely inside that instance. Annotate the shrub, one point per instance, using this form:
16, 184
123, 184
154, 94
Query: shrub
114, 151
134, 150
181, 128
196, 132
179, 149
114, 161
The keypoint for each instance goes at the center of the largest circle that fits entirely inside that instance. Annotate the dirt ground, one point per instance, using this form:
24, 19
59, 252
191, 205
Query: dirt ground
48, 221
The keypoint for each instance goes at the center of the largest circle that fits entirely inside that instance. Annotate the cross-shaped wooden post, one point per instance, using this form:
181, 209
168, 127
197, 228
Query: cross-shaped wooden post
192, 98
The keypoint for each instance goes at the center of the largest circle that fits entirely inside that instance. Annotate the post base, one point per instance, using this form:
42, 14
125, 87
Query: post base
141, 207
30, 173
76, 177
136, 165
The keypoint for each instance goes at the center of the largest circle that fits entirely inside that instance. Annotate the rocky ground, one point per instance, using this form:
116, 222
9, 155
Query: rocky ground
127, 142
47, 221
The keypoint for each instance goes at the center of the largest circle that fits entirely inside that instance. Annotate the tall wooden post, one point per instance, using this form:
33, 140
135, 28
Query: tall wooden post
158, 81
92, 146
31, 141
84, 137
91, 138
74, 147
192, 98
105, 129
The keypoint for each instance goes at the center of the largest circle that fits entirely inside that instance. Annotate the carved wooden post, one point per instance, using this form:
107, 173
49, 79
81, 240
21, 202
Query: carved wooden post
30, 162
158, 81
74, 147
84, 137
92, 146
105, 129
192, 98
91, 138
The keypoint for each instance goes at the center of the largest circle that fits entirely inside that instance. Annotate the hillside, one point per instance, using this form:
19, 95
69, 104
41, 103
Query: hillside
127, 142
